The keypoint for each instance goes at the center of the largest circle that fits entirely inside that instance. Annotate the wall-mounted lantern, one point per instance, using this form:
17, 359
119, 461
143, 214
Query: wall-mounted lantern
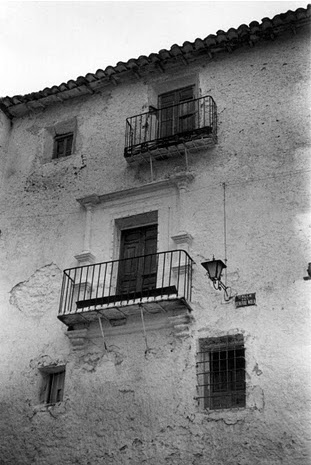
214, 269
307, 278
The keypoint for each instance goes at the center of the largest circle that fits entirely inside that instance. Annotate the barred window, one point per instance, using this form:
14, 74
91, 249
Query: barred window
221, 372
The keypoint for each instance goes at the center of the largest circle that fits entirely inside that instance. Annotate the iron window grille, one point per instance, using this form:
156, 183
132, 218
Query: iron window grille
63, 145
221, 372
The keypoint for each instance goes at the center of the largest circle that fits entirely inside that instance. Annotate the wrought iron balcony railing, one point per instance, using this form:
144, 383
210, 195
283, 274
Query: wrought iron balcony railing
162, 131
96, 288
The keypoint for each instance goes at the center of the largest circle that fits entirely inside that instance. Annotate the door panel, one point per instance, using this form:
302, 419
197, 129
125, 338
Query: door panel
138, 274
181, 116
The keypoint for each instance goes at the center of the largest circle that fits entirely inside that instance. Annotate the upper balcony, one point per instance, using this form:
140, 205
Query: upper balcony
165, 132
115, 290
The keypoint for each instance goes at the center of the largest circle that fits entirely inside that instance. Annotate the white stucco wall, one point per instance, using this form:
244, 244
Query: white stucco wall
124, 405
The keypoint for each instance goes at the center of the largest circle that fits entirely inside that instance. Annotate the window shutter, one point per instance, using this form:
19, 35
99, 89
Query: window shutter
60, 145
63, 145
69, 140
167, 100
177, 113
186, 94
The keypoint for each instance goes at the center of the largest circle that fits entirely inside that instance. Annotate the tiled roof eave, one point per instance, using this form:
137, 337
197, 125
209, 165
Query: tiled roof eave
134, 68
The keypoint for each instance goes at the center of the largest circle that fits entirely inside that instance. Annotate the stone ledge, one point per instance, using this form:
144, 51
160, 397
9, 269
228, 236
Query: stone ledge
85, 258
181, 324
77, 338
182, 238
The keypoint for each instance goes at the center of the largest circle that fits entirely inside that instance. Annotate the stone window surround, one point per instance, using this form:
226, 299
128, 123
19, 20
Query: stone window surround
214, 372
128, 208
47, 372
134, 202
58, 129
254, 392
168, 84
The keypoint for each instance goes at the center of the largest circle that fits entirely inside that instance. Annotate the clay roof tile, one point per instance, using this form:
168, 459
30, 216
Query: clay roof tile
210, 40
100, 73
90, 77
110, 70
187, 47
255, 31
277, 21
221, 37
232, 34
301, 13
142, 60
211, 43
71, 84
266, 24
243, 30
175, 50
198, 44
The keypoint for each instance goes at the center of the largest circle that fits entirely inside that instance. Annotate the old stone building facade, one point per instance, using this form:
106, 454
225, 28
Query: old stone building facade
195, 152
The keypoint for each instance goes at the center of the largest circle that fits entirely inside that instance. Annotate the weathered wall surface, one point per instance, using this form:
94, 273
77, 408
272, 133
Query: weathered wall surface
132, 403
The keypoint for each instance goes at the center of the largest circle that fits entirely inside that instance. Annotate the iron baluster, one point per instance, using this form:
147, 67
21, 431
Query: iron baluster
104, 282
98, 280
86, 283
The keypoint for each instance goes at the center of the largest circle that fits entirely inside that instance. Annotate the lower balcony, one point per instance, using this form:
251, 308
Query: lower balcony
115, 290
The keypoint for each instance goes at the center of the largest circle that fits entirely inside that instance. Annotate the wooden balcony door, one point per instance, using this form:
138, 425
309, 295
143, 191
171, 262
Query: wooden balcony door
137, 274
177, 113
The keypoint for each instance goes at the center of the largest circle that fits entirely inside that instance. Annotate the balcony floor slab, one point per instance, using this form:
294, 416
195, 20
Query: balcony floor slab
118, 312
160, 149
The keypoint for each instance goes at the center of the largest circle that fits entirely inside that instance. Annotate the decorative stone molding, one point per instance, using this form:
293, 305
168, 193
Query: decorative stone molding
77, 338
181, 269
127, 194
92, 200
183, 240
85, 258
182, 179
181, 324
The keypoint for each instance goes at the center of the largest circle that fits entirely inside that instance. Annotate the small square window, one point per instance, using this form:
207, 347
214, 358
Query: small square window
53, 385
63, 145
221, 372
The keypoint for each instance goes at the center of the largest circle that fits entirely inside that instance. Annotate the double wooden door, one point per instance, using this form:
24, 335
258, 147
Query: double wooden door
177, 112
138, 260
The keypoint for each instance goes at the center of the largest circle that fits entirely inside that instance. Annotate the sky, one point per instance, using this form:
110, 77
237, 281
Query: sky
45, 43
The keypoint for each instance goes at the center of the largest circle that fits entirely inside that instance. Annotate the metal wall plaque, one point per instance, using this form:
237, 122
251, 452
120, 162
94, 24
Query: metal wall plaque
245, 300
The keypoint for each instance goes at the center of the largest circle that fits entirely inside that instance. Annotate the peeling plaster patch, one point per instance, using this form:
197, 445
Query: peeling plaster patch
256, 398
269, 287
107, 360
44, 361
89, 362
37, 295
257, 370
234, 276
116, 356
34, 129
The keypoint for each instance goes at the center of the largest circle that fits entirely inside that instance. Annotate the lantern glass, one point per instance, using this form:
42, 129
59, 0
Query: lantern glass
214, 269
